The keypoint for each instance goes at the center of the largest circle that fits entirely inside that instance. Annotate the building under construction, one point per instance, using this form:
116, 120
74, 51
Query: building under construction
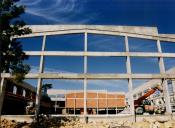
89, 102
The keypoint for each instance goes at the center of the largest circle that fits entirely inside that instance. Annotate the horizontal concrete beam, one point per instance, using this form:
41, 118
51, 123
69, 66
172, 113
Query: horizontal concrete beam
63, 32
130, 31
151, 37
92, 76
138, 35
68, 53
62, 91
113, 28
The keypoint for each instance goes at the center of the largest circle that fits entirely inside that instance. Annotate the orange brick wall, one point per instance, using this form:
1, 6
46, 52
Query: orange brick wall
79, 103
93, 102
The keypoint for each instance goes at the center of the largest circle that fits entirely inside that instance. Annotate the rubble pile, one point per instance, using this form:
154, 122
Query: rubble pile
154, 124
145, 123
43, 123
73, 122
4, 123
8, 124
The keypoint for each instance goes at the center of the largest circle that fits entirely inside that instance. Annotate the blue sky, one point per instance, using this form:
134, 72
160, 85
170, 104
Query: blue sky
160, 13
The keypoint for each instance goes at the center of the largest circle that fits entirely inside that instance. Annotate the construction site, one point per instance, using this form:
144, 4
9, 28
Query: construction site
104, 76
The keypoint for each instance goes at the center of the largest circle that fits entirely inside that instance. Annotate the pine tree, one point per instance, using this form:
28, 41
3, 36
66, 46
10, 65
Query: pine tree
11, 52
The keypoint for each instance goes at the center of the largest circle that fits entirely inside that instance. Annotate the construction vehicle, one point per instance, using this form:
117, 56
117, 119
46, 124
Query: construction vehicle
142, 104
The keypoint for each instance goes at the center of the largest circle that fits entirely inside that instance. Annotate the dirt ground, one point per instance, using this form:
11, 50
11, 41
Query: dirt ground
75, 123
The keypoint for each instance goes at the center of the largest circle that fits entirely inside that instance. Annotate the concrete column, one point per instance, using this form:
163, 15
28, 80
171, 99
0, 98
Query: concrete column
165, 86
39, 84
85, 97
107, 102
173, 85
65, 102
116, 110
38, 97
166, 97
126, 44
2, 93
85, 50
128, 67
131, 100
97, 102
56, 104
41, 68
85, 71
74, 101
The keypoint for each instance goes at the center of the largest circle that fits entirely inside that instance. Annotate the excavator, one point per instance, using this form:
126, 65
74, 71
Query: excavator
142, 104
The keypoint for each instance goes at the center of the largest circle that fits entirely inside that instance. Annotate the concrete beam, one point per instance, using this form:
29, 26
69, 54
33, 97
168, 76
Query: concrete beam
92, 76
149, 37
112, 28
130, 31
167, 35
117, 54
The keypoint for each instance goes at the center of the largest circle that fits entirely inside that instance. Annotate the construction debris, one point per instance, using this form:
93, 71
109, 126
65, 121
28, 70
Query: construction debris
12, 124
74, 122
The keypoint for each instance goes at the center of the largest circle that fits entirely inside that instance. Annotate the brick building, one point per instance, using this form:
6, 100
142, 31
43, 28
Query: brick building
97, 102
16, 96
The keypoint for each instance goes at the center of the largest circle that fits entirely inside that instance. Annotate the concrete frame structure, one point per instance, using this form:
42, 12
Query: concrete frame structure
149, 33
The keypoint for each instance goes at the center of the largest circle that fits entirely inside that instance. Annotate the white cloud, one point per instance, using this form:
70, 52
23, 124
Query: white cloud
59, 11
35, 69
30, 3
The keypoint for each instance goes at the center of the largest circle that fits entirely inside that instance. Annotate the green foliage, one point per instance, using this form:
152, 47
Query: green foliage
11, 52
